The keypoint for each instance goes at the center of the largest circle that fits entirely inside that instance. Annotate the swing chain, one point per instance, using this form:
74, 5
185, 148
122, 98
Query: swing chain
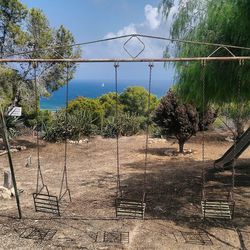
203, 74
150, 65
241, 64
119, 191
65, 172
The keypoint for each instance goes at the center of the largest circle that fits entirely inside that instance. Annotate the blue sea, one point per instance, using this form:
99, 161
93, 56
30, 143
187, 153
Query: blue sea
94, 88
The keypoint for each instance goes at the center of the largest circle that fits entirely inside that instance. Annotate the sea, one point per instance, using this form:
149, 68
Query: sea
96, 88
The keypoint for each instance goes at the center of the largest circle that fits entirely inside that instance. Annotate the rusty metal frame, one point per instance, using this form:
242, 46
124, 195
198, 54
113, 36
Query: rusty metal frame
112, 60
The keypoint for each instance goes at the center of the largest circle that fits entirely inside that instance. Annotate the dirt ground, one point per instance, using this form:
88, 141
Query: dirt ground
173, 215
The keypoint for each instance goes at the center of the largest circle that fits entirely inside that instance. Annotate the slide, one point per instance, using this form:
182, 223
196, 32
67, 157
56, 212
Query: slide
241, 145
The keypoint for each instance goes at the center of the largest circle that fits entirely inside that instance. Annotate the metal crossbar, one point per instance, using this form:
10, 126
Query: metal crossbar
46, 203
112, 60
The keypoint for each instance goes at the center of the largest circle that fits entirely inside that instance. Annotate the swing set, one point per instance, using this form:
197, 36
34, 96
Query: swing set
125, 206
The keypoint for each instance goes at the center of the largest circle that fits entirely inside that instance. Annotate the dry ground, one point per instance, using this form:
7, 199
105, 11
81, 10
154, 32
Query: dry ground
173, 218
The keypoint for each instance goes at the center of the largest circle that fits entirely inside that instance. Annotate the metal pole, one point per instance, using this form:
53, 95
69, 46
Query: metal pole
117, 60
6, 141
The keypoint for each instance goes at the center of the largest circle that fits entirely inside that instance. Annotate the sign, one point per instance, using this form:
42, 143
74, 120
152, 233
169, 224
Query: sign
15, 111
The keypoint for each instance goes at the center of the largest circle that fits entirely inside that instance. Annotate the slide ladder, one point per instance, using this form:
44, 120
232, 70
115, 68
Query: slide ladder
234, 151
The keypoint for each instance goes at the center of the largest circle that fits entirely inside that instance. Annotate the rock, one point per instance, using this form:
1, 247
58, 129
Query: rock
12, 190
7, 180
229, 139
159, 209
5, 193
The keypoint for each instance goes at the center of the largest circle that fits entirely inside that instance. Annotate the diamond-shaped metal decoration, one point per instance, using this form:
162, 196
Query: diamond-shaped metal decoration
140, 46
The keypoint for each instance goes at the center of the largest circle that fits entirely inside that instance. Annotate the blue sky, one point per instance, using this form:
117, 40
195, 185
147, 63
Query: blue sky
94, 19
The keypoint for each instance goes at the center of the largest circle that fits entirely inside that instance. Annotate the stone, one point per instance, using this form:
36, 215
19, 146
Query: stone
7, 180
5, 193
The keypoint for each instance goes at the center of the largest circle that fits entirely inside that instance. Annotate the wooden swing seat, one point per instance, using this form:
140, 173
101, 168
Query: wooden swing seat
46, 203
217, 209
130, 208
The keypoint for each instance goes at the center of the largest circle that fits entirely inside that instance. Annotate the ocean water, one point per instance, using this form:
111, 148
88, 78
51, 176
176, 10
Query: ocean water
93, 89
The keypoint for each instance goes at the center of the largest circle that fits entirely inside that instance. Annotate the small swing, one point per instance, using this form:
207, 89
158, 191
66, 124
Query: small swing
212, 207
43, 201
126, 207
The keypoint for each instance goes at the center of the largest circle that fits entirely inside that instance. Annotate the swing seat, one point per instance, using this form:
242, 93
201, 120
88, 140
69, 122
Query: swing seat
130, 208
46, 203
217, 209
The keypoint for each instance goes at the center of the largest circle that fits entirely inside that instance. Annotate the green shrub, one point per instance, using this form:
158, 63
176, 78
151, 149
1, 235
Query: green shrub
127, 125
80, 123
135, 100
93, 106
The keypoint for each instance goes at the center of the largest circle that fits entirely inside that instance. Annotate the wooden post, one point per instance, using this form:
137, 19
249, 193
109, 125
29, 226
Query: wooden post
6, 142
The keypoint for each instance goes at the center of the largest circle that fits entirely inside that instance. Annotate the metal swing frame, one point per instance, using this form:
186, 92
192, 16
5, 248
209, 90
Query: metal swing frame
15, 58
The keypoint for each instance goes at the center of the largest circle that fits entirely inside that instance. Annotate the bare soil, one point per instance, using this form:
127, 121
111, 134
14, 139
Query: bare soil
173, 185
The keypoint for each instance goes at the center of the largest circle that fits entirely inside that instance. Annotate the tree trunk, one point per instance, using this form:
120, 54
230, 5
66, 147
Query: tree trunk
181, 146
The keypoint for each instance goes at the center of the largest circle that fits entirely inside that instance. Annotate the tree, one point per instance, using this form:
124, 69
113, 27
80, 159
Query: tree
207, 118
225, 22
23, 30
12, 15
232, 111
135, 101
176, 118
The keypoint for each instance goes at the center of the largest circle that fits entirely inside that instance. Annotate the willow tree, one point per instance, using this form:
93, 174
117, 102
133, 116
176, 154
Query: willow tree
224, 22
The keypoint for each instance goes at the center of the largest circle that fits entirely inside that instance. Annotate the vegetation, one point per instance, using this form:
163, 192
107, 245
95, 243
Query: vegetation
176, 118
88, 116
80, 123
225, 22
135, 101
232, 111
25, 30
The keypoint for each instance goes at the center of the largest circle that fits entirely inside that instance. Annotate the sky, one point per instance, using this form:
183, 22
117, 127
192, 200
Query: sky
96, 19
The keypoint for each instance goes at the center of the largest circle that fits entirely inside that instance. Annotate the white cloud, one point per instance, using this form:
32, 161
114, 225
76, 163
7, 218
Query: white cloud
151, 23
153, 16
127, 30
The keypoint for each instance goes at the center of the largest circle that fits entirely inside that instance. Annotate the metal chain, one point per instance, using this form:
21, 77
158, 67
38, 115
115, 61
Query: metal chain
65, 172
39, 171
151, 65
241, 63
203, 74
119, 192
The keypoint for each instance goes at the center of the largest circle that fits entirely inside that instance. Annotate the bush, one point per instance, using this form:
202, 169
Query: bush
80, 123
135, 101
93, 106
128, 125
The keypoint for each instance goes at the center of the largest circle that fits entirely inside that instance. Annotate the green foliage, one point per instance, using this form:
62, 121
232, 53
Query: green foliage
176, 118
88, 104
12, 124
127, 125
12, 15
238, 113
224, 22
80, 123
23, 30
135, 101
108, 102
